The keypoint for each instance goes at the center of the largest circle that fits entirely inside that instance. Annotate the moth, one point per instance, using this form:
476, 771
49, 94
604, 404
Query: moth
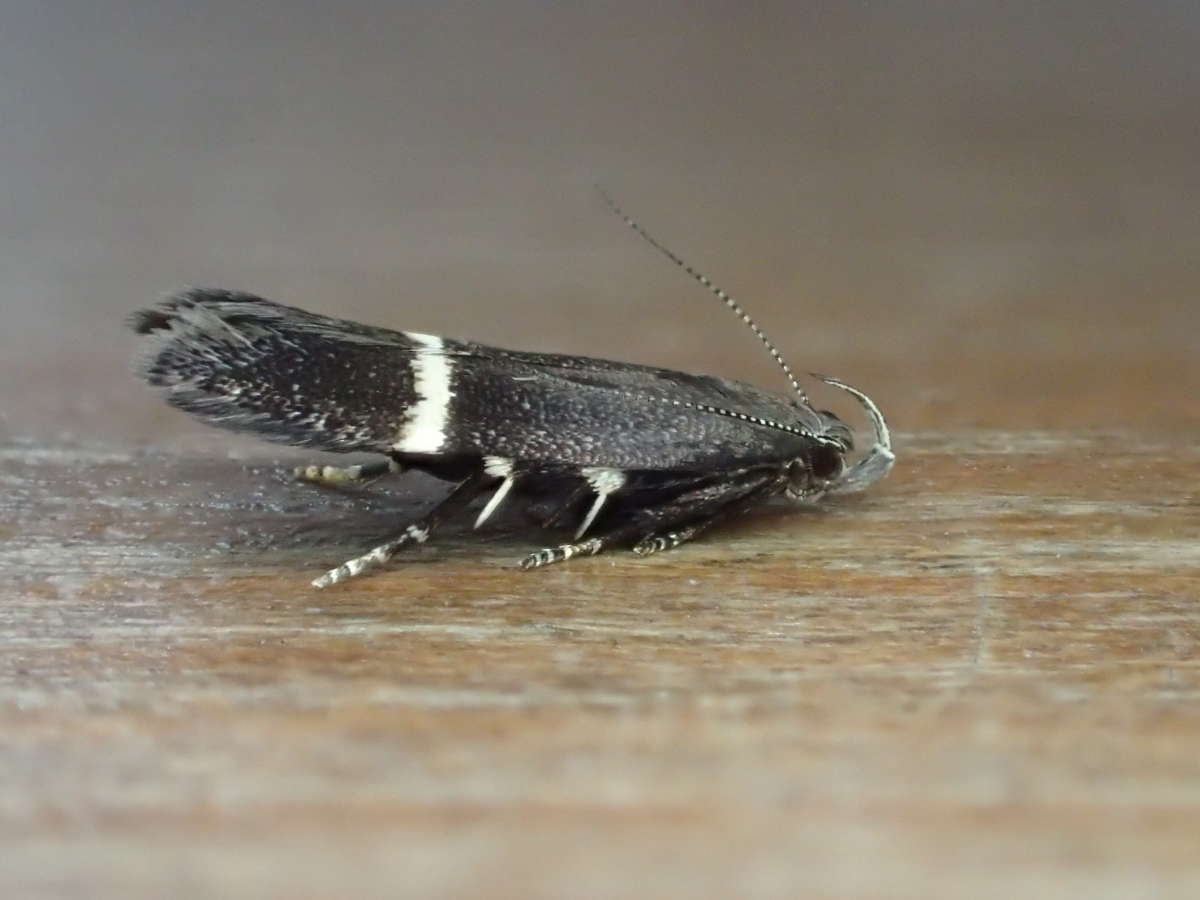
626, 455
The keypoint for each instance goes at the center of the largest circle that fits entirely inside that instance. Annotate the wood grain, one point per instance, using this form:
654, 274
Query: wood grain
979, 680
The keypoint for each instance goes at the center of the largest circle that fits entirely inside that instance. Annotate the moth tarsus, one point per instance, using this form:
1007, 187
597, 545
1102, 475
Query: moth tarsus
622, 454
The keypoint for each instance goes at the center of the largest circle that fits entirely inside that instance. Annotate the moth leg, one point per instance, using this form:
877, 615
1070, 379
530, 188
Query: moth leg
669, 540
662, 540
328, 475
622, 534
565, 508
415, 533
692, 512
562, 552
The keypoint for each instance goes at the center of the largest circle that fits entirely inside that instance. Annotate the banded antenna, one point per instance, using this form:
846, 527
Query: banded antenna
707, 282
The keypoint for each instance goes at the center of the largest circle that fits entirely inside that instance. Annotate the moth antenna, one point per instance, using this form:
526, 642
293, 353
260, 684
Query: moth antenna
707, 282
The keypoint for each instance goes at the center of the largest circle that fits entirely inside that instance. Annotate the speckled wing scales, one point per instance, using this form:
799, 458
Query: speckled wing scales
248, 364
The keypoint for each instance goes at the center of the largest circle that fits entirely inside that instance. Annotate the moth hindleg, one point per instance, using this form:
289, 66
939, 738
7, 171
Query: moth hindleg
414, 533
502, 468
327, 475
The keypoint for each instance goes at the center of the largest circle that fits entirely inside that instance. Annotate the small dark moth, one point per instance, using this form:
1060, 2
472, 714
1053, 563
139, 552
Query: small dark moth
631, 455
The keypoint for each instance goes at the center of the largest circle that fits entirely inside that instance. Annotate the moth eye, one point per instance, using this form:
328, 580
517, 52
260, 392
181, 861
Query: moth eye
825, 462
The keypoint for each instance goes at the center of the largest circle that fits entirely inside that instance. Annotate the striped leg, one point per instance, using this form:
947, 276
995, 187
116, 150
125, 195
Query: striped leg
669, 540
670, 523
562, 552
416, 533
327, 475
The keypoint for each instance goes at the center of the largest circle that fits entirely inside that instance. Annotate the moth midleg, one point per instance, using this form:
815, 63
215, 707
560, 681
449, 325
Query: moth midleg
417, 532
687, 513
328, 475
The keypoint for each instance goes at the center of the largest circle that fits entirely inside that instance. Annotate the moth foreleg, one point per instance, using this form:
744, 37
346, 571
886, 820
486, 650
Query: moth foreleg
669, 540
594, 545
330, 475
415, 533
736, 502
667, 524
621, 534
563, 552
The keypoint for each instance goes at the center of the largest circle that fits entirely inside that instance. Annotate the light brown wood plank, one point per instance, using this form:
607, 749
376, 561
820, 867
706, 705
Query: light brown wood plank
981, 679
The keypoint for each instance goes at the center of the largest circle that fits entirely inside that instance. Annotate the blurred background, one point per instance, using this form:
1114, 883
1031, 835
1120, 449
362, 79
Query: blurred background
985, 214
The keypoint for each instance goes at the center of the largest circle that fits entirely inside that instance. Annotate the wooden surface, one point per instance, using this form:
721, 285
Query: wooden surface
978, 680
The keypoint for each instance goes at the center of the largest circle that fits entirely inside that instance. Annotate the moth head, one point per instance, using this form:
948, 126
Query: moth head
878, 461
811, 475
